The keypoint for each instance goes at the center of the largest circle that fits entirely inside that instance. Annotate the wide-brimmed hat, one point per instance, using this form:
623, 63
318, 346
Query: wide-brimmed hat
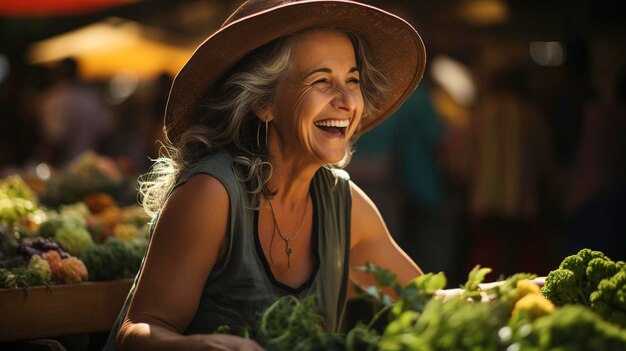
397, 48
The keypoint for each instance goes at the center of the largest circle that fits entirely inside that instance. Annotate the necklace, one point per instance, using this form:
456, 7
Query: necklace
288, 249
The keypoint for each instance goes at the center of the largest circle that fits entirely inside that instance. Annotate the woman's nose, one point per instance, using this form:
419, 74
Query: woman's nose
346, 98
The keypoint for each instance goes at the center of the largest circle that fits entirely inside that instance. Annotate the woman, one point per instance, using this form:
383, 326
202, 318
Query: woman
250, 205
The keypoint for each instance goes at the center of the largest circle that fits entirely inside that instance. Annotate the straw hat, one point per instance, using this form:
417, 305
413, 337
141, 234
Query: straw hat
397, 48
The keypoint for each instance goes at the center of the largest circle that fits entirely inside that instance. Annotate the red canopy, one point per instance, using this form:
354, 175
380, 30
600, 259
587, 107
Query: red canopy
47, 8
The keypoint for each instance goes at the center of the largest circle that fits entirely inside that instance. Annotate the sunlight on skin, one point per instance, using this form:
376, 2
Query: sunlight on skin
322, 85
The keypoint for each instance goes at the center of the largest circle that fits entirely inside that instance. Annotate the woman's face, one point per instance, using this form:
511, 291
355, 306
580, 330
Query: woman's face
319, 104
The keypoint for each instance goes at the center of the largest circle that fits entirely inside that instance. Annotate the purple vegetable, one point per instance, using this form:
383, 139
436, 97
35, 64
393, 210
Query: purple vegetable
27, 251
38, 247
45, 244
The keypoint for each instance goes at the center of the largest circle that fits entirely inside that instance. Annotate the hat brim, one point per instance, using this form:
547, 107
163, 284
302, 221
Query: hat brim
397, 48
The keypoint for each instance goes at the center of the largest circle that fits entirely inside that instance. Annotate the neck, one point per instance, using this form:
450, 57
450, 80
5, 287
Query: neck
291, 178
290, 182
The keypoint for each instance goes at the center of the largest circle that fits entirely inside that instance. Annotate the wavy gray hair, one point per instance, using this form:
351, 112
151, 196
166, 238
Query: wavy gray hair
228, 121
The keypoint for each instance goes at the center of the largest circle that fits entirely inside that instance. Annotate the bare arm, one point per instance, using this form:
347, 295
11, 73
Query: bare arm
372, 242
189, 238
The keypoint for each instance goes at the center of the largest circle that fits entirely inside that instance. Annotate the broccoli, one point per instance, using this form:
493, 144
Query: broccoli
56, 222
572, 328
115, 259
74, 240
609, 301
560, 287
578, 276
600, 269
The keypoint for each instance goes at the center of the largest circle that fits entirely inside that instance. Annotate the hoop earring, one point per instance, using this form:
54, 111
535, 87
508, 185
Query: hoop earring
258, 131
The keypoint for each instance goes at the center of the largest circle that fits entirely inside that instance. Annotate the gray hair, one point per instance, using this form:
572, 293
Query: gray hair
227, 121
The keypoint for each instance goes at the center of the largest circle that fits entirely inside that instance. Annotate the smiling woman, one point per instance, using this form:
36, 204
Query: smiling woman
249, 202
319, 103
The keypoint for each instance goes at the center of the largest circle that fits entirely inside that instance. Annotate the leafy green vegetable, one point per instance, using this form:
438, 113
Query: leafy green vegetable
288, 322
55, 222
510, 290
609, 301
21, 277
41, 266
115, 259
14, 187
572, 328
17, 201
587, 269
561, 287
592, 279
472, 286
503, 316
413, 296
74, 240
13, 209
362, 338
455, 324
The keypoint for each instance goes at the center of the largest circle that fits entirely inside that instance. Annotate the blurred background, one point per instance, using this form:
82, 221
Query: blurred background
511, 153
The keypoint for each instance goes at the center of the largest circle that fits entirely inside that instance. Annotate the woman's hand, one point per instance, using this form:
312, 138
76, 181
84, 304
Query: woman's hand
225, 342
143, 336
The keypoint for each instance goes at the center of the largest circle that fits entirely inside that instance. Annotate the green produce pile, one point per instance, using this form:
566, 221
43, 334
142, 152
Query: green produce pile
581, 307
91, 239
87, 174
593, 280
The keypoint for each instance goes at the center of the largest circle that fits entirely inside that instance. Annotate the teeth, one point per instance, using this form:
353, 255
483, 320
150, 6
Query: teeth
333, 123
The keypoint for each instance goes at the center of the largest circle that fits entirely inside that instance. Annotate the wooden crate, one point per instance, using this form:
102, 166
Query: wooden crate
68, 309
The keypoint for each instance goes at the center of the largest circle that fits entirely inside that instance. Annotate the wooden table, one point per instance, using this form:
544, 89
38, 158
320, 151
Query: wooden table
67, 309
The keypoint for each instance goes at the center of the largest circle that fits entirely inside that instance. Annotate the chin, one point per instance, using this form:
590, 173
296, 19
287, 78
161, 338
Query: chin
337, 158
329, 154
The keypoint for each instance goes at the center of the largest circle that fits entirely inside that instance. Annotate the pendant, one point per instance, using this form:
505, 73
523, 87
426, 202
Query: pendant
288, 251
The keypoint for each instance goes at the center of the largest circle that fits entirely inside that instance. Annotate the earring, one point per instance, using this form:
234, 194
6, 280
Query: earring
258, 131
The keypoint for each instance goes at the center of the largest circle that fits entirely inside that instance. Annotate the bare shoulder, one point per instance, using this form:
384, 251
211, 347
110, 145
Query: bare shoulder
199, 189
196, 213
366, 219
188, 240
362, 205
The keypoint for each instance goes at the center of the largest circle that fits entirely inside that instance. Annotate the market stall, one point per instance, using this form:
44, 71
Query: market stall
45, 312
70, 247
70, 242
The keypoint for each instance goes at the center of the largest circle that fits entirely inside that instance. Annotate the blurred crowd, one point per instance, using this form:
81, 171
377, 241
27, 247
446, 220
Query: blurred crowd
526, 180
51, 116
527, 173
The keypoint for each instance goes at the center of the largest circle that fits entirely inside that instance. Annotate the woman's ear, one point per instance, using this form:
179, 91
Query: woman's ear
264, 112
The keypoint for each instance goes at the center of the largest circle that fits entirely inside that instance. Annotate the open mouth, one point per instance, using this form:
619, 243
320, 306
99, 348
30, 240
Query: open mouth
333, 126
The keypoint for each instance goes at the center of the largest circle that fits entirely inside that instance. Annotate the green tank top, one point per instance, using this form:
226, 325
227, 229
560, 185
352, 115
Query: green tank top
242, 284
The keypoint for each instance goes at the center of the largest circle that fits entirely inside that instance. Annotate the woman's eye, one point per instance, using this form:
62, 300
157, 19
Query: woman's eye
321, 81
354, 81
